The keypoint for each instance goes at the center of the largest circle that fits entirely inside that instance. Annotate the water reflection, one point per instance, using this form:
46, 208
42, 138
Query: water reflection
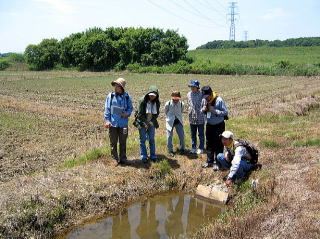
164, 216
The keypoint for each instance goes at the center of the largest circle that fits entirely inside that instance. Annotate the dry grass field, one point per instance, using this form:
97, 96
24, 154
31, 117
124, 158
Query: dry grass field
55, 168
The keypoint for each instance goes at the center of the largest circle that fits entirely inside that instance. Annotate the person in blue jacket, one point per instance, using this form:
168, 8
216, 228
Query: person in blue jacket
118, 108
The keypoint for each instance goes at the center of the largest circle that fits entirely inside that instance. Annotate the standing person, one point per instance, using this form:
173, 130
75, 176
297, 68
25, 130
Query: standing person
118, 108
196, 116
173, 110
146, 122
215, 113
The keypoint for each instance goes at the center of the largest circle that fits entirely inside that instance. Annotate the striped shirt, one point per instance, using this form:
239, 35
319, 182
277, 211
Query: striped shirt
194, 105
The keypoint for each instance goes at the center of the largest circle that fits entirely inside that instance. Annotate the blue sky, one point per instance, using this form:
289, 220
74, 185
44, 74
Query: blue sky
26, 22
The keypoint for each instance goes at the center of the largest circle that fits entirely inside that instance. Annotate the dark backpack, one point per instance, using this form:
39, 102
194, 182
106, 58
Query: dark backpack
251, 149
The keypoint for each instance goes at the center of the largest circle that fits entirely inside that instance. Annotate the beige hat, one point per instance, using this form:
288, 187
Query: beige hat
119, 81
227, 135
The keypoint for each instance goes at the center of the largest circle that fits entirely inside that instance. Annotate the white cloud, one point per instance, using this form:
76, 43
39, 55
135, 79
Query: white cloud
62, 6
273, 14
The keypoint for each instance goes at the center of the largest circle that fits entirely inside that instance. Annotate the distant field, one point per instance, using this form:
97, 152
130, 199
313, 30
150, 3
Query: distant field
258, 56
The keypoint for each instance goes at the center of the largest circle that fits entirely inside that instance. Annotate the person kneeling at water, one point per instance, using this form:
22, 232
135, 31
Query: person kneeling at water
235, 157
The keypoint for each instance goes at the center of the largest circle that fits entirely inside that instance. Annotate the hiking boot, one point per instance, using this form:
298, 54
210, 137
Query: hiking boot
215, 167
193, 151
181, 151
199, 151
207, 165
144, 160
123, 162
171, 154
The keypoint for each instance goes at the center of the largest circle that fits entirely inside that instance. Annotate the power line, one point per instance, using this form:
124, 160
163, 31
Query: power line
208, 6
196, 12
212, 7
178, 16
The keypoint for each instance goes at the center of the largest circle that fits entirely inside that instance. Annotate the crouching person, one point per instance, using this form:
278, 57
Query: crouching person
118, 108
146, 122
234, 157
173, 110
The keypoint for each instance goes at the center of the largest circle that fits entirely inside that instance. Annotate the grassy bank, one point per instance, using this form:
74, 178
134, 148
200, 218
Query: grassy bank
296, 61
55, 149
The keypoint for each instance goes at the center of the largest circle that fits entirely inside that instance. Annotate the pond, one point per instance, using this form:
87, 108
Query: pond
172, 215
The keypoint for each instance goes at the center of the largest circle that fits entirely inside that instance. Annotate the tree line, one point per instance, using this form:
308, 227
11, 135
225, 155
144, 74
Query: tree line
113, 48
302, 41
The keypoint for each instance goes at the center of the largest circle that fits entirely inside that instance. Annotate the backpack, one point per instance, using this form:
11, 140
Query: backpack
251, 149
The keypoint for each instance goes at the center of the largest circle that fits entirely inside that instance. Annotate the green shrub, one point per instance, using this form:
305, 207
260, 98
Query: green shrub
4, 64
308, 142
269, 143
83, 159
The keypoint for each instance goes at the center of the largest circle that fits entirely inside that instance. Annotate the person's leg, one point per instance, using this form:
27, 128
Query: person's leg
201, 135
123, 135
169, 141
243, 169
143, 148
222, 162
217, 146
210, 143
193, 131
152, 143
180, 132
113, 136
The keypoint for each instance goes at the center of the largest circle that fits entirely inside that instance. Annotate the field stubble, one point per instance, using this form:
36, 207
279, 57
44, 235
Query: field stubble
50, 117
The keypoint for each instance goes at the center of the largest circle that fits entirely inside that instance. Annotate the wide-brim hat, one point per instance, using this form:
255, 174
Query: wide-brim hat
120, 81
194, 83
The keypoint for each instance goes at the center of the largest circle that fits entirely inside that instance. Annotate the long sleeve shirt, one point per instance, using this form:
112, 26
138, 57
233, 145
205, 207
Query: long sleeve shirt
217, 115
239, 153
116, 104
196, 116
173, 111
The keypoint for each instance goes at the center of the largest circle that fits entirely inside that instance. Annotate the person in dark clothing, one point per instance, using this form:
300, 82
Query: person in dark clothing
215, 110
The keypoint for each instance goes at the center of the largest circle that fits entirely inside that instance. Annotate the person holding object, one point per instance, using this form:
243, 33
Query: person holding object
235, 157
118, 108
216, 112
173, 110
146, 121
196, 116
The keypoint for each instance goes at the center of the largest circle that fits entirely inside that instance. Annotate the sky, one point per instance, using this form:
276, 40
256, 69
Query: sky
25, 22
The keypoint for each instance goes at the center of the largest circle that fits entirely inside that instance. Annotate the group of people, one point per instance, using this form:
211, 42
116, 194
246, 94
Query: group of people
207, 113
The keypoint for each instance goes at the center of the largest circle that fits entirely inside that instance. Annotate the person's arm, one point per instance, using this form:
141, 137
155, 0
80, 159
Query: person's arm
182, 107
166, 108
204, 107
107, 111
238, 154
158, 109
129, 108
222, 110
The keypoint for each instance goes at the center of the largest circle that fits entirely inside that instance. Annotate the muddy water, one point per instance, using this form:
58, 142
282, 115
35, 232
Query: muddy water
163, 216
